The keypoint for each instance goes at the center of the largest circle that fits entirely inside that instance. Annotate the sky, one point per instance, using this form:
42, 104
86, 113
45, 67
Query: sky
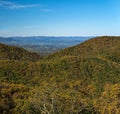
59, 17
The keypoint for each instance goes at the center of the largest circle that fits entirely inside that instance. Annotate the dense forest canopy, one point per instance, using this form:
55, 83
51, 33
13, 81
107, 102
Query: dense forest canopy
83, 79
16, 53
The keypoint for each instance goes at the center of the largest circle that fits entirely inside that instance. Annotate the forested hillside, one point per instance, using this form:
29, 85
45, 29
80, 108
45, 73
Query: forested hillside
84, 79
15, 53
102, 46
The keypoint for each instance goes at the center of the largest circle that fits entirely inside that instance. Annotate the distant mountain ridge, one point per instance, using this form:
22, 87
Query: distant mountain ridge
82, 79
43, 44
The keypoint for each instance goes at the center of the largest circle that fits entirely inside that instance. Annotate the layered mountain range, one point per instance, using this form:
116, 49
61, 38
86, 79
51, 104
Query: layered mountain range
83, 79
43, 45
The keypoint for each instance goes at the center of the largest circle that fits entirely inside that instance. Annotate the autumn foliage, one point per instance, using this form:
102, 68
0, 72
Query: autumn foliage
83, 79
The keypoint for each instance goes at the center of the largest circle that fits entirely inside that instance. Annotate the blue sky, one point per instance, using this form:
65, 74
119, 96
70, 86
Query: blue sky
59, 17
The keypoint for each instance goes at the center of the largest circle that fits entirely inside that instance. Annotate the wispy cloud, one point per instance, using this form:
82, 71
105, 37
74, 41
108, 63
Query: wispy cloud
13, 5
22, 6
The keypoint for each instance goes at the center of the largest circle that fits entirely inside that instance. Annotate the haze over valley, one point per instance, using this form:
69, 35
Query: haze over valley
44, 45
59, 56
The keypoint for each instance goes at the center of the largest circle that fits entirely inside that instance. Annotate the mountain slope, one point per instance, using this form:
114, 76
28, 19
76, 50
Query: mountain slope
97, 59
87, 61
84, 79
102, 46
15, 53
